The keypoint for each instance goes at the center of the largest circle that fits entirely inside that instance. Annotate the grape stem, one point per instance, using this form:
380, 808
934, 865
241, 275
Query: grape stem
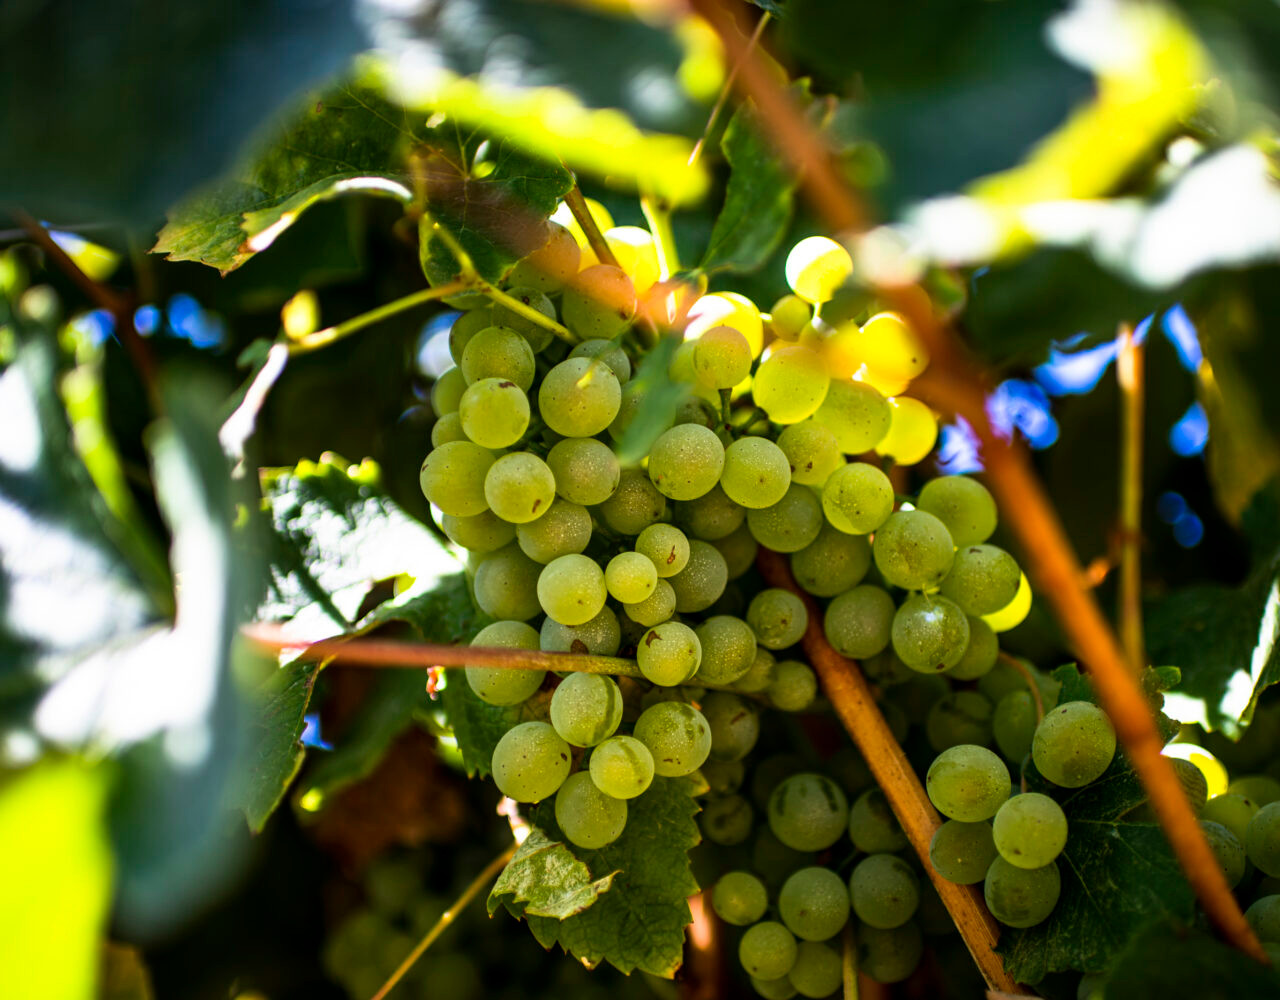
523, 309
1129, 376
658, 215
848, 964
327, 336
587, 223
1032, 686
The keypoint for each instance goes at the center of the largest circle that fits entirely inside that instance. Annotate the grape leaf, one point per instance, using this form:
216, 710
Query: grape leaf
544, 879
1169, 960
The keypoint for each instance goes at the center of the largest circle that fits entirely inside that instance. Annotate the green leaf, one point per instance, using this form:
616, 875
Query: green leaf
477, 725
1174, 960
544, 879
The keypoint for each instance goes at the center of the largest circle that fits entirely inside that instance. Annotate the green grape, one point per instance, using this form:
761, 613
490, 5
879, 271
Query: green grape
1193, 782
446, 392
608, 351
530, 762
790, 384
1004, 678
968, 783
579, 397
1232, 811
587, 816
537, 334
858, 623
1030, 830
496, 352
767, 950
983, 579
789, 525
959, 718
723, 776
889, 956
739, 551
494, 412
930, 634
887, 670
857, 498
756, 473
677, 735
1259, 788
872, 826
891, 347
453, 475
447, 428
483, 532
586, 709
654, 609
759, 675
630, 577
1014, 725
519, 487
1263, 839
728, 649
885, 891
636, 397
856, 414
794, 686
913, 550
916, 694
818, 970
913, 430
962, 852
564, 529
634, 505
808, 812
816, 267
981, 653
599, 303
812, 452
727, 820
666, 546
711, 517
686, 461
601, 636
1021, 897
586, 470
789, 315
850, 769
500, 685
773, 860
622, 766
773, 989
506, 583
550, 267
963, 505
1074, 744
464, 328
702, 581
778, 618
669, 654
721, 357
739, 898
771, 772
833, 563
1264, 917
814, 903
734, 722
697, 410
571, 589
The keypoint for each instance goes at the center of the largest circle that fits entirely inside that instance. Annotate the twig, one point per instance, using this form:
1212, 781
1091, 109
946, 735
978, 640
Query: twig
327, 336
1129, 375
848, 964
1032, 686
853, 702
491, 871
524, 309
578, 206
724, 91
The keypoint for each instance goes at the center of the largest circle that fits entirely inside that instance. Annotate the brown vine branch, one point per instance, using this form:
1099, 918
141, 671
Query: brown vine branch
1129, 375
587, 223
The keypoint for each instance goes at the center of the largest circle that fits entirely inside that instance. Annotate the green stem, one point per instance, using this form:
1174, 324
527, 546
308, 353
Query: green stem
725, 413
524, 310
323, 338
658, 215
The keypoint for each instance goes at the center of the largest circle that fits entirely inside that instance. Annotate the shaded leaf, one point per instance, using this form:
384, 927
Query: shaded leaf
1174, 960
544, 879
662, 396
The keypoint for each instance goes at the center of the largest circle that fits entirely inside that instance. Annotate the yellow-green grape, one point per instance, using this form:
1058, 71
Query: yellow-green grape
680, 369
721, 358
812, 452
530, 762
608, 351
723, 777
1074, 744
500, 685
1013, 613
601, 636
913, 550
739, 898
669, 654
789, 525
630, 577
447, 428
1230, 853
962, 717
794, 686
872, 826
963, 505
586, 470
483, 532
550, 267
452, 478
622, 766
519, 487
537, 334
702, 581
1261, 788
1262, 839
859, 622
677, 736
816, 267
600, 302
814, 903
499, 353
962, 852
494, 412
884, 890
465, 327
767, 950
636, 253
586, 709
735, 725
759, 675
654, 609
778, 618
728, 649
726, 309
968, 783
833, 563
686, 461
889, 346
505, 585
599, 214
711, 516
889, 956
913, 431
930, 633
739, 550
1264, 917
563, 529
756, 473
857, 498
789, 315
579, 397
980, 655
1233, 811
791, 384
1030, 830
634, 505
1021, 897
983, 579
446, 392
571, 589
818, 970
727, 820
666, 546
587, 816
1013, 725
808, 812
856, 414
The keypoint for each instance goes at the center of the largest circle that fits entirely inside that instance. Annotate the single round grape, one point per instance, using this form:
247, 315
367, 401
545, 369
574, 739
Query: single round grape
812, 452
466, 326
789, 315
586, 470
833, 563
666, 546
723, 776
1014, 725
889, 345
711, 517
889, 956
550, 267
773, 989
959, 718
962, 852
636, 253
622, 766
564, 529
496, 352
885, 891
446, 392
968, 783
1074, 744
601, 636
913, 431
519, 487
452, 478
728, 649
530, 762
789, 525
872, 827
814, 903
721, 357
677, 735
447, 428
913, 550
1264, 917
816, 267
587, 816
1021, 897
494, 412
808, 812
654, 609
579, 397
794, 686
759, 675
727, 309
767, 950
586, 709
686, 461
756, 473
930, 634
703, 579
634, 505
857, 498
1263, 839
1013, 613
483, 532
727, 820
790, 384
735, 725
1030, 830
856, 413
1260, 788
739, 898
983, 579
1232, 811
818, 970
963, 505
506, 583
630, 577
599, 302
739, 551
669, 654
608, 351
778, 618
501, 685
981, 653
571, 589
858, 623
